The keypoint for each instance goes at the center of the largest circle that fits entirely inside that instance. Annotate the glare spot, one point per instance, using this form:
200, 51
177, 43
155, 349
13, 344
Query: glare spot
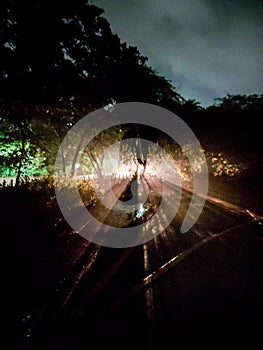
154, 229
67, 56
140, 211
220, 165
9, 45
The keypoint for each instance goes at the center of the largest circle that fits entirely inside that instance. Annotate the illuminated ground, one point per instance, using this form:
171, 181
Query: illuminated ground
205, 282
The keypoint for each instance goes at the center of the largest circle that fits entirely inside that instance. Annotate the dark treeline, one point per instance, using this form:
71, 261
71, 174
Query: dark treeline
60, 60
66, 48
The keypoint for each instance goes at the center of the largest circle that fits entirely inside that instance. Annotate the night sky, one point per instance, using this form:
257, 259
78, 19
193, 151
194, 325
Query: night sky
207, 48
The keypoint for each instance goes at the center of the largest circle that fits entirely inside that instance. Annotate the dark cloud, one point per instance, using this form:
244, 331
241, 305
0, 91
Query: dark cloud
207, 48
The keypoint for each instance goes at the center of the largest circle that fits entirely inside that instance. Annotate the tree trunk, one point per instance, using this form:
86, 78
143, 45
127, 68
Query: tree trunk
73, 164
20, 164
63, 161
95, 162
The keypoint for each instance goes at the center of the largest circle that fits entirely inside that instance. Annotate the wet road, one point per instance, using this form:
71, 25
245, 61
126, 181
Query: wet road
205, 282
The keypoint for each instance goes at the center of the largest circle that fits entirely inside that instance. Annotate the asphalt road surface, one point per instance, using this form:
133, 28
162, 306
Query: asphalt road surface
202, 286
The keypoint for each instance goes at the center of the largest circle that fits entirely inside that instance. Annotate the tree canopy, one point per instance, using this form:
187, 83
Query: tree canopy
60, 60
66, 48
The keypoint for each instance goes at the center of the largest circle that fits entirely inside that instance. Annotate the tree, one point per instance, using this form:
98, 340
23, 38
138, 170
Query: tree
235, 121
239, 102
19, 155
60, 60
66, 48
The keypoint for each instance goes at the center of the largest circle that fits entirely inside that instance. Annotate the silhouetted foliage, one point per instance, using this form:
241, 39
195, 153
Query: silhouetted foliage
60, 61
229, 102
237, 120
64, 48
240, 112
